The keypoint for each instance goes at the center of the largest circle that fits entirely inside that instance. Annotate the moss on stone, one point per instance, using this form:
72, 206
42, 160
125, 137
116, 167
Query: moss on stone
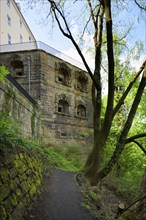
38, 182
4, 174
12, 185
9, 217
22, 169
8, 205
4, 191
18, 192
14, 200
3, 214
32, 191
30, 164
21, 156
13, 172
21, 175
17, 163
24, 187
6, 104
28, 199
17, 180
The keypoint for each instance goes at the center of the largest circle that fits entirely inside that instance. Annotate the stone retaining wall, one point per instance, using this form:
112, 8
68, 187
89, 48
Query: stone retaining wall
20, 180
19, 108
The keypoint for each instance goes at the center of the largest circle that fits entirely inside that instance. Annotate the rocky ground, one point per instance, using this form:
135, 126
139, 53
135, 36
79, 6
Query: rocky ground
103, 201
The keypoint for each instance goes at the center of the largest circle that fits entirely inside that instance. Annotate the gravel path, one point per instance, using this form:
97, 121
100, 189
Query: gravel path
61, 200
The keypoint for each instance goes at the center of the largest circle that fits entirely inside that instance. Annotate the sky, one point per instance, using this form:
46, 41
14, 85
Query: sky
44, 32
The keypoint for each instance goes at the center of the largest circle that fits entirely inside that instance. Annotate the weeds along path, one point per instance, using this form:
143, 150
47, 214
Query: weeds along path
60, 200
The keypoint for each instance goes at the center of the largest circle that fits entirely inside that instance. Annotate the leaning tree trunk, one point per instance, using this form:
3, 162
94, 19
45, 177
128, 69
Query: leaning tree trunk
143, 185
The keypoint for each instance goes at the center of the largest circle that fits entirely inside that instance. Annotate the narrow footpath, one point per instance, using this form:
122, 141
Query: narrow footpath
60, 200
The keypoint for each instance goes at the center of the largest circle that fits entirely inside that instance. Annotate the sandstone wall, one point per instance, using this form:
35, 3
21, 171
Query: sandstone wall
20, 180
13, 102
47, 89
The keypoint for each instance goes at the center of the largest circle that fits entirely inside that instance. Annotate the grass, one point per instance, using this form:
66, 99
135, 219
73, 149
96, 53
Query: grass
60, 159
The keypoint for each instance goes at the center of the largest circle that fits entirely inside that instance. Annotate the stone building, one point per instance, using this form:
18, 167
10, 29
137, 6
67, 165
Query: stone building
62, 91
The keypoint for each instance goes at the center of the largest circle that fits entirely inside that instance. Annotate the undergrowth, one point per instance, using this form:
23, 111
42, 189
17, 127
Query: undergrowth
66, 157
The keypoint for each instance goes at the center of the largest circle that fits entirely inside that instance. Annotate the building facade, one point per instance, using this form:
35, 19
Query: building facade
62, 91
13, 27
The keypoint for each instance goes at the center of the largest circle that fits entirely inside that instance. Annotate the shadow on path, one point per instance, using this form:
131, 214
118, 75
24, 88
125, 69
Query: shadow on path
61, 200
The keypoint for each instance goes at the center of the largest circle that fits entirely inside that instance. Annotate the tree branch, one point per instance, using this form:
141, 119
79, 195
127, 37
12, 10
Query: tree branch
92, 14
85, 28
141, 7
69, 36
140, 146
123, 97
131, 139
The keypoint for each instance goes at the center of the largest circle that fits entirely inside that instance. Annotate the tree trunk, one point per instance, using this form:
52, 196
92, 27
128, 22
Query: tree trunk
93, 161
143, 185
100, 134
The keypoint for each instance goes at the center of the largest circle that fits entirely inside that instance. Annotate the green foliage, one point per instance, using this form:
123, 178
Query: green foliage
57, 159
86, 135
3, 72
67, 157
93, 196
130, 170
85, 205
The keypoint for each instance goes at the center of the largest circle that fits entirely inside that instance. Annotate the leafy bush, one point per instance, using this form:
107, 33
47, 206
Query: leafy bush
3, 72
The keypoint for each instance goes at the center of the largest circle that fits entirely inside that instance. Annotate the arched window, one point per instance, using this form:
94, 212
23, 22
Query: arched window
82, 83
81, 111
17, 67
63, 76
63, 107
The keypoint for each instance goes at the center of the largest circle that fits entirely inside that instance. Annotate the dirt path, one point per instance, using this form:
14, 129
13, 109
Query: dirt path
61, 200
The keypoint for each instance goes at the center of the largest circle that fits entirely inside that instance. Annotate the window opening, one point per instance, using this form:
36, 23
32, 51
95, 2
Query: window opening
60, 78
8, 3
9, 39
63, 76
17, 67
63, 107
21, 39
82, 84
81, 111
64, 134
20, 23
9, 20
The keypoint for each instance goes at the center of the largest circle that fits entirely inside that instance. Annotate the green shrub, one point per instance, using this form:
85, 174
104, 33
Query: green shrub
3, 73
